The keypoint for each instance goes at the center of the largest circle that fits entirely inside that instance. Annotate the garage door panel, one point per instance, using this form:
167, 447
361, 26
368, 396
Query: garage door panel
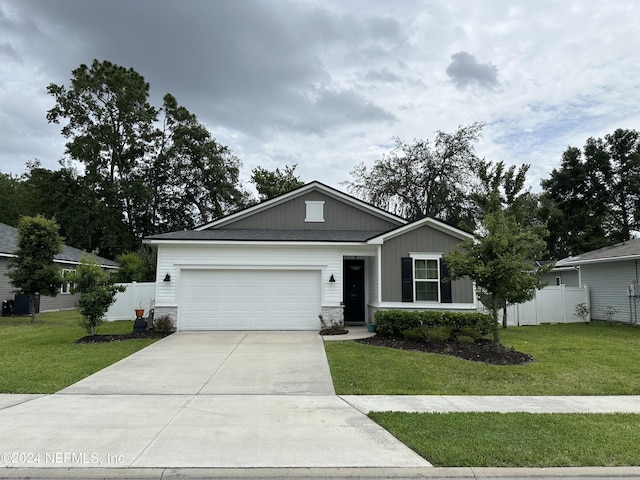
249, 300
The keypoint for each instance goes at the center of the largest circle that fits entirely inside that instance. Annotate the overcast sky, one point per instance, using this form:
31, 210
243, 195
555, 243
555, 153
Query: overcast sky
326, 84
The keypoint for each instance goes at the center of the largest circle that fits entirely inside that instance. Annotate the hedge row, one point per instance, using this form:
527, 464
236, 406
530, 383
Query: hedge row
394, 322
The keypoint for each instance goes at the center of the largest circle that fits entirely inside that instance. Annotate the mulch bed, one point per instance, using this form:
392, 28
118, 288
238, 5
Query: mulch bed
480, 351
334, 331
124, 336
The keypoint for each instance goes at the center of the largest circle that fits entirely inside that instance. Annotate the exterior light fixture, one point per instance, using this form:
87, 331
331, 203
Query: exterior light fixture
167, 278
332, 279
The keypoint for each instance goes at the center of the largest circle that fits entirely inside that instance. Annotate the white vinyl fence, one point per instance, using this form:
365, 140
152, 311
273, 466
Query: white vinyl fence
550, 305
137, 295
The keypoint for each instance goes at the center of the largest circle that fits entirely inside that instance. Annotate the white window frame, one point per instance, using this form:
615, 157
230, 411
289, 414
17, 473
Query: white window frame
65, 288
426, 256
314, 211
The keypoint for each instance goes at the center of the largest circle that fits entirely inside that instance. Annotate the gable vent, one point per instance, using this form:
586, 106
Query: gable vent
314, 211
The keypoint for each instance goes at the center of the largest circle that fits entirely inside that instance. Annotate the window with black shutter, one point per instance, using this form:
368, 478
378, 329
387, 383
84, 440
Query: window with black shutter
407, 279
445, 284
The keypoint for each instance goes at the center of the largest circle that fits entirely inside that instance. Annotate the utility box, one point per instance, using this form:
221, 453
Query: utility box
22, 304
7, 308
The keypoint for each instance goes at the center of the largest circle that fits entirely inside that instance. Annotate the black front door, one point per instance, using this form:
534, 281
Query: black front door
354, 308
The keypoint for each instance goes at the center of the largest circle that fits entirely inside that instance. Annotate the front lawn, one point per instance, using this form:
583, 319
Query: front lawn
569, 359
43, 358
518, 439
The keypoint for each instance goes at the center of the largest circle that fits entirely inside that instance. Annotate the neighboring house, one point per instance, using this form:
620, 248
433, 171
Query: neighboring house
567, 276
68, 260
312, 252
611, 273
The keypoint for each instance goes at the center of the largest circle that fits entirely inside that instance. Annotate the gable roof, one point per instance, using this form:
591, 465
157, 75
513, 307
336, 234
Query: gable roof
221, 230
309, 187
424, 222
627, 250
9, 244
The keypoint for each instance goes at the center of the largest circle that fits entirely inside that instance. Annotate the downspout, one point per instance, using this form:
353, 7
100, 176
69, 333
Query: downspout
379, 254
579, 276
635, 305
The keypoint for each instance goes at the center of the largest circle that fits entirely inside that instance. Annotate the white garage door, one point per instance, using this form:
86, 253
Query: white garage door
249, 300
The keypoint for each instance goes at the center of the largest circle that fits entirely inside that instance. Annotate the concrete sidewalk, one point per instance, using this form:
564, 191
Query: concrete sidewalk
458, 473
502, 404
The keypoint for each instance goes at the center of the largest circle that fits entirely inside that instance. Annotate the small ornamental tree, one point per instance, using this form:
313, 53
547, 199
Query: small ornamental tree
501, 262
97, 292
32, 269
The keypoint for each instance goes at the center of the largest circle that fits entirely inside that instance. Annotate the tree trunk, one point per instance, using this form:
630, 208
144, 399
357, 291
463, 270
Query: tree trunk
496, 331
504, 315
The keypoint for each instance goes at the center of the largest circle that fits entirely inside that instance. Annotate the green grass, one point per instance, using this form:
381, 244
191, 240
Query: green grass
43, 358
518, 439
570, 359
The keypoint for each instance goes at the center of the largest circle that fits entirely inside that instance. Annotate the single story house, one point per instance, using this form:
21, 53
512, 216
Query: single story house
567, 276
611, 273
311, 255
68, 260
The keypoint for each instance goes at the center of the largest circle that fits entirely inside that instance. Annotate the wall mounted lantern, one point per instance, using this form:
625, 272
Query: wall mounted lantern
332, 279
167, 278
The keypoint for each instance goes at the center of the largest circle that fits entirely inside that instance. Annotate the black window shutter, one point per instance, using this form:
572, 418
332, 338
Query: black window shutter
407, 279
445, 284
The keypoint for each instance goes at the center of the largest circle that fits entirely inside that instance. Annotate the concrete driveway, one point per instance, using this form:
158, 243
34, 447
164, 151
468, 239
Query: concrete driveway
203, 399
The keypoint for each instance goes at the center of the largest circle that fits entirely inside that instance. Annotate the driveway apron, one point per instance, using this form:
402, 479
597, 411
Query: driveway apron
203, 399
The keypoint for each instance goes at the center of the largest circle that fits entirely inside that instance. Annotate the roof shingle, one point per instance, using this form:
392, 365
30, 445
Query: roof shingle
9, 244
624, 250
270, 235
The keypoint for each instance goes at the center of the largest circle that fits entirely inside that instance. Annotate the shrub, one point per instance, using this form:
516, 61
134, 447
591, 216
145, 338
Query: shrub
429, 334
465, 339
471, 332
582, 311
417, 334
396, 322
164, 324
97, 292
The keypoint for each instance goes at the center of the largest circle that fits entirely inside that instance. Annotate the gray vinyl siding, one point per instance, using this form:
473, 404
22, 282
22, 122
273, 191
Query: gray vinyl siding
568, 278
608, 283
6, 289
424, 240
291, 215
60, 302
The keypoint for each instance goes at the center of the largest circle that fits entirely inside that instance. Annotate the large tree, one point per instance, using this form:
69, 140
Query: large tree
147, 178
593, 199
270, 184
110, 127
12, 199
32, 270
501, 261
420, 179
195, 178
66, 196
